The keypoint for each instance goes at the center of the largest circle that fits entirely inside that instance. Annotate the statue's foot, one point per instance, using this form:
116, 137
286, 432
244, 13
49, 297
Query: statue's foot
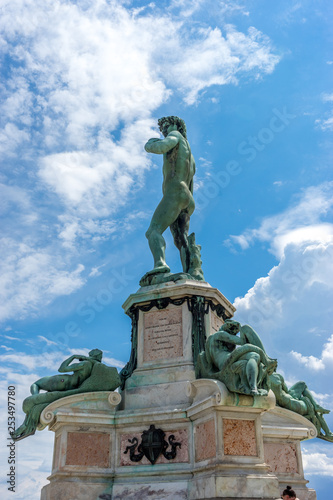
320, 409
197, 275
164, 268
258, 392
149, 277
160, 269
17, 436
326, 437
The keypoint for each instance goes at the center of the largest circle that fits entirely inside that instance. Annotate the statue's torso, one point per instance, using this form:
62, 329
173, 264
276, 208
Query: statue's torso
178, 164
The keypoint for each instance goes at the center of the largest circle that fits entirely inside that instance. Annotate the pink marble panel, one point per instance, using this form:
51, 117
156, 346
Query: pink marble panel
281, 457
239, 437
205, 441
163, 336
182, 456
88, 448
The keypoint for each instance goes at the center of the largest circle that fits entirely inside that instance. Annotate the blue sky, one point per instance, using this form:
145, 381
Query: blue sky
82, 86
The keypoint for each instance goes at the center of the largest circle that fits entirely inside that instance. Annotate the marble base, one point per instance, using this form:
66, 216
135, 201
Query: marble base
283, 430
231, 447
217, 444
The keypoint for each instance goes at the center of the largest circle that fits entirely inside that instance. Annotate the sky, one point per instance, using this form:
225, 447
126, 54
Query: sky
82, 86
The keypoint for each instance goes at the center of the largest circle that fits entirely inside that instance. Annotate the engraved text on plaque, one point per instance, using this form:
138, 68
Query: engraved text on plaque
163, 337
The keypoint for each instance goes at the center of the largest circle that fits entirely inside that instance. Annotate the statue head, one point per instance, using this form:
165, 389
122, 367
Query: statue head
166, 121
231, 326
96, 354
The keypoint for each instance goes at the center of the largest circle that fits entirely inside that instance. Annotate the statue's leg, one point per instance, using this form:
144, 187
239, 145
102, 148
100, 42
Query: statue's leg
252, 371
41, 384
165, 214
324, 425
61, 382
157, 247
249, 336
297, 390
34, 388
179, 230
317, 407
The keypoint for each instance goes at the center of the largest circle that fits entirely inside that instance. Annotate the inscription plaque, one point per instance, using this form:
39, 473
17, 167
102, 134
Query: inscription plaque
163, 336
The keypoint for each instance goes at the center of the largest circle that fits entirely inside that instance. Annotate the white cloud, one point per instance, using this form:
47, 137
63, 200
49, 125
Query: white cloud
318, 464
328, 97
98, 182
30, 278
299, 223
313, 363
326, 123
49, 359
84, 81
217, 59
30, 363
6, 348
11, 137
113, 68
297, 290
296, 297
44, 339
310, 362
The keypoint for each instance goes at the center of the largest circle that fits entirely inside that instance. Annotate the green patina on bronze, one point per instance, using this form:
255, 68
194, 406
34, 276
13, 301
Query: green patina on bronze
300, 400
241, 363
176, 206
89, 375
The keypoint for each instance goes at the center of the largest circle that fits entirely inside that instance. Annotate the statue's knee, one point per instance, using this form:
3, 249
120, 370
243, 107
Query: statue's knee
256, 357
34, 388
153, 232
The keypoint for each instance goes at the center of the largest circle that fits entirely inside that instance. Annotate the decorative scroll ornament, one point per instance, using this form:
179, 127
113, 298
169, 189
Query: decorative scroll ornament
152, 446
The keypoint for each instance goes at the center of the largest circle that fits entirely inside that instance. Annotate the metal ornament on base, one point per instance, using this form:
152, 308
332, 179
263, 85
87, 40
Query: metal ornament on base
152, 445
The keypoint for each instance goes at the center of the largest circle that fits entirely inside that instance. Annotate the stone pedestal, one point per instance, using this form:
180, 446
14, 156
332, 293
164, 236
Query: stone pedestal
170, 324
283, 431
84, 445
166, 435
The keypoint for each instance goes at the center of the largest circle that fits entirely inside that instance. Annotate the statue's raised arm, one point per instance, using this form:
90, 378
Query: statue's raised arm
161, 146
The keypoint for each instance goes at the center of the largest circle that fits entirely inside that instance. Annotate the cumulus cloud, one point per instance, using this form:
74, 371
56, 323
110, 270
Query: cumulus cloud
318, 464
296, 296
301, 222
324, 362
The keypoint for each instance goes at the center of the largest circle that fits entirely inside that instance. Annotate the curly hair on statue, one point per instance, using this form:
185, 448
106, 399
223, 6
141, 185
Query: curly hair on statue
164, 123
